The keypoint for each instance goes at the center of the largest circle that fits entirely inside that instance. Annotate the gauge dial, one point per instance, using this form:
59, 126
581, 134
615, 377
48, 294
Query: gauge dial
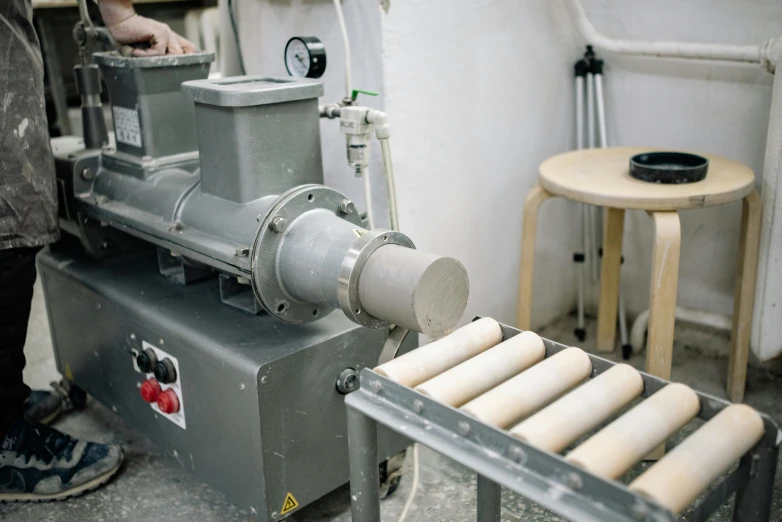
305, 57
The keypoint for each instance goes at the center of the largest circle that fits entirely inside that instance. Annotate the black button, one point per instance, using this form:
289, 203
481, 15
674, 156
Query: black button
165, 371
146, 361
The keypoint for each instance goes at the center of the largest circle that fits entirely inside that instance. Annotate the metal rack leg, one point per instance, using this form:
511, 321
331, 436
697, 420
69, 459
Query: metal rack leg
489, 495
753, 501
364, 470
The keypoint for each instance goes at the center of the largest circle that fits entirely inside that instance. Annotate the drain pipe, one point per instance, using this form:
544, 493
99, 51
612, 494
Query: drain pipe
765, 343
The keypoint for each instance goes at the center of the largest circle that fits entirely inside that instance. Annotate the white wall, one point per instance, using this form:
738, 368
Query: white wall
479, 94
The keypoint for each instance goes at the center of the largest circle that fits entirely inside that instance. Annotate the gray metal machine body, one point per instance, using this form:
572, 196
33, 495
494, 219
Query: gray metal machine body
211, 196
240, 191
262, 415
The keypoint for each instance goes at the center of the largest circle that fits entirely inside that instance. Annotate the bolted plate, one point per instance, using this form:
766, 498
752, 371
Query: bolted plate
265, 276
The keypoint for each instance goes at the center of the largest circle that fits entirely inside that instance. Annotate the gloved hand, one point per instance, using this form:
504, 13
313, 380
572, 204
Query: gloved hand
127, 27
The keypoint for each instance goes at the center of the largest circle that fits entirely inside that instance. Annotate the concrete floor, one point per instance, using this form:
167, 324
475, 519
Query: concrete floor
152, 486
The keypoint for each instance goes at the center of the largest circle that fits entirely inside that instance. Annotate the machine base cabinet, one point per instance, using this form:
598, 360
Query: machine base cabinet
265, 422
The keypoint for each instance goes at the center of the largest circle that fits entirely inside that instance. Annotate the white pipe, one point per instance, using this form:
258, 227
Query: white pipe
346, 43
368, 198
388, 171
592, 217
688, 50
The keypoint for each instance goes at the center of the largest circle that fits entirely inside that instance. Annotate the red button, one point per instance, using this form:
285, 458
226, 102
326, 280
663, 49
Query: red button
150, 390
168, 402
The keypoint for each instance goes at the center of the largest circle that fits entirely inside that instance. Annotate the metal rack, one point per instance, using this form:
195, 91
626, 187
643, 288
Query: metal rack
502, 461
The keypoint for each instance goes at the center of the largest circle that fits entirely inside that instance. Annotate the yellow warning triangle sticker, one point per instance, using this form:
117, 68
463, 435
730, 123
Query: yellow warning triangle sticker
289, 505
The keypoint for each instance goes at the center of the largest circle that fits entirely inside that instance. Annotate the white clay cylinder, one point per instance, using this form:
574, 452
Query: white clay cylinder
555, 427
486, 370
531, 390
422, 364
679, 477
617, 447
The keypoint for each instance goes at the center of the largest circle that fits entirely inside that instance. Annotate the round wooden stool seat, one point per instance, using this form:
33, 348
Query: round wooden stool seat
602, 177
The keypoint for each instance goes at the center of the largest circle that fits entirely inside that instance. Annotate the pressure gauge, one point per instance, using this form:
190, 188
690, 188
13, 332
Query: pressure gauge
305, 57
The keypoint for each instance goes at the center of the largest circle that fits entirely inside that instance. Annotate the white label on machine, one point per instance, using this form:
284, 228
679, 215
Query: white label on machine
177, 418
126, 126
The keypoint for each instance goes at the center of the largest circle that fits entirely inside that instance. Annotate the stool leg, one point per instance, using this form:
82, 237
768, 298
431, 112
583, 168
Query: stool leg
609, 279
529, 230
662, 300
744, 296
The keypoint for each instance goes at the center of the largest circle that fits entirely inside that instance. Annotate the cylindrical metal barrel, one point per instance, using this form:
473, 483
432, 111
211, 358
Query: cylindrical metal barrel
311, 254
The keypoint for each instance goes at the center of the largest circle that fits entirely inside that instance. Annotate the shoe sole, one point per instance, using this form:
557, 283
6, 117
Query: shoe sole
63, 495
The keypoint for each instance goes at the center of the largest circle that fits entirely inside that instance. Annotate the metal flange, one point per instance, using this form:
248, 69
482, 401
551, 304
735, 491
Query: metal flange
350, 271
275, 225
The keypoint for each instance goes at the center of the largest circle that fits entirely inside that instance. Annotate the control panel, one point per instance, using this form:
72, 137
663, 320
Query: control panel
162, 385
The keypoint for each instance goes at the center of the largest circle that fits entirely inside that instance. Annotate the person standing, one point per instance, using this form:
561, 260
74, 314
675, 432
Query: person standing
37, 462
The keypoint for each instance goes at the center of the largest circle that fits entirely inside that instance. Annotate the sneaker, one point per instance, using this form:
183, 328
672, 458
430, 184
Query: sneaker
38, 464
42, 407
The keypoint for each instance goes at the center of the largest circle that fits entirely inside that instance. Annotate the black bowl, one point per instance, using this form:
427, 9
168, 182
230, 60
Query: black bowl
668, 167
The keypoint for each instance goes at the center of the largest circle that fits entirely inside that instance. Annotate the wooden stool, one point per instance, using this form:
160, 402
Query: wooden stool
601, 177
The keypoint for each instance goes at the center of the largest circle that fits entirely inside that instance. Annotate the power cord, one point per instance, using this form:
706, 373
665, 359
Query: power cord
236, 36
414, 488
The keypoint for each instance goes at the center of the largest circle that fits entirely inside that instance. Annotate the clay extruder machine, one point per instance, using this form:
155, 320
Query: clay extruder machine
192, 291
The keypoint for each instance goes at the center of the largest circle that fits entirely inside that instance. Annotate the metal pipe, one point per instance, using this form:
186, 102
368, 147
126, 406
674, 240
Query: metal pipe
364, 470
582, 269
579, 112
590, 211
489, 500
590, 106
687, 50
601, 110
84, 14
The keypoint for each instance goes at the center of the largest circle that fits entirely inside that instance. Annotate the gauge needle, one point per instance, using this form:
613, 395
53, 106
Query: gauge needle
299, 58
